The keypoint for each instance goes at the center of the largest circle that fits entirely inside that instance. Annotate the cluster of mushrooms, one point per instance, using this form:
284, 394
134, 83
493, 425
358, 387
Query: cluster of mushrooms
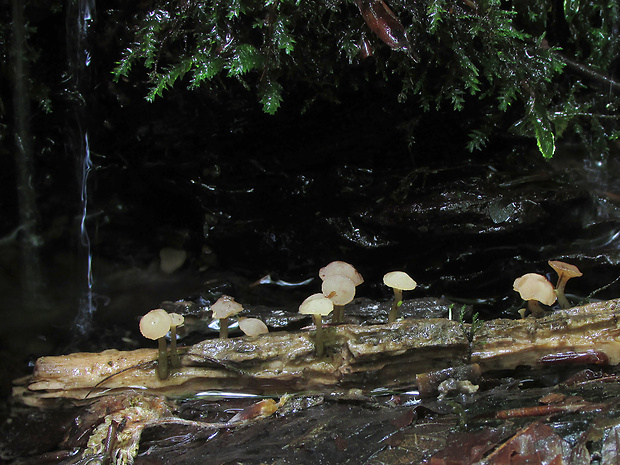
225, 307
155, 325
339, 281
536, 289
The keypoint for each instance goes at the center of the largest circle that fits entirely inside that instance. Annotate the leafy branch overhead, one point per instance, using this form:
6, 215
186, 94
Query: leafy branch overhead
545, 72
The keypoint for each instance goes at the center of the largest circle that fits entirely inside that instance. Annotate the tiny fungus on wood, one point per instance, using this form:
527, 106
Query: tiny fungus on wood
399, 281
535, 288
339, 289
318, 306
341, 268
170, 260
252, 326
176, 321
565, 271
155, 325
223, 309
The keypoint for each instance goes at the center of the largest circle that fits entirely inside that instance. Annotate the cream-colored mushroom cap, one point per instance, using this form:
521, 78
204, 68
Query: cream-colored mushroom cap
225, 307
176, 319
316, 304
399, 280
341, 268
252, 326
533, 286
340, 289
171, 259
566, 269
155, 324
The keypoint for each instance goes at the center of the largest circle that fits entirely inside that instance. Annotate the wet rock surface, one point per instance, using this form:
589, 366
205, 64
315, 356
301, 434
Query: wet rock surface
564, 415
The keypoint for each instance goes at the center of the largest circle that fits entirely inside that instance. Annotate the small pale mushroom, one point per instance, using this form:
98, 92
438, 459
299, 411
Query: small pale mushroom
318, 306
223, 309
340, 290
535, 288
155, 325
252, 326
341, 268
171, 259
565, 271
176, 321
399, 281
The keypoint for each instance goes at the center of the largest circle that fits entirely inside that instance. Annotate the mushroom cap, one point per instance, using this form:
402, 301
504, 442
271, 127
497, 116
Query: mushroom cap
341, 268
340, 289
155, 324
176, 319
533, 286
171, 259
252, 326
399, 280
566, 269
225, 307
316, 304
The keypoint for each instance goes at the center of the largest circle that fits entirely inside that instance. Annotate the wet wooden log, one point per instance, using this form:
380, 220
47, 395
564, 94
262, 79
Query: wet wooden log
355, 356
389, 355
589, 333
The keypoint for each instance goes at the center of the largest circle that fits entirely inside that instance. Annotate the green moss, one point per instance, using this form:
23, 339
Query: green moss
538, 68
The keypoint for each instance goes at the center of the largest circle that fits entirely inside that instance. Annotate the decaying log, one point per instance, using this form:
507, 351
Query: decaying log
590, 329
389, 355
368, 356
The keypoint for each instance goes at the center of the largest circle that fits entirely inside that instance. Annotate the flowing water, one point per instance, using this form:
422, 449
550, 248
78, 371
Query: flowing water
87, 305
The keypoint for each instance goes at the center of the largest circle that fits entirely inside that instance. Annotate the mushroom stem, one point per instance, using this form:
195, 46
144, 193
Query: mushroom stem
318, 341
559, 290
398, 300
162, 363
175, 360
338, 314
563, 301
535, 309
224, 328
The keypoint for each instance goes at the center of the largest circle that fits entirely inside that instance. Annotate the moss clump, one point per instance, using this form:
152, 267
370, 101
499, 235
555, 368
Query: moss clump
526, 65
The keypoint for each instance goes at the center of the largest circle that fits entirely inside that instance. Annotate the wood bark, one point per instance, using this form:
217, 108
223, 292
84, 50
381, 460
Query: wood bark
364, 357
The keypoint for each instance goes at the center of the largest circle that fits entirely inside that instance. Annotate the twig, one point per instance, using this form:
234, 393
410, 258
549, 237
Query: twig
588, 71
